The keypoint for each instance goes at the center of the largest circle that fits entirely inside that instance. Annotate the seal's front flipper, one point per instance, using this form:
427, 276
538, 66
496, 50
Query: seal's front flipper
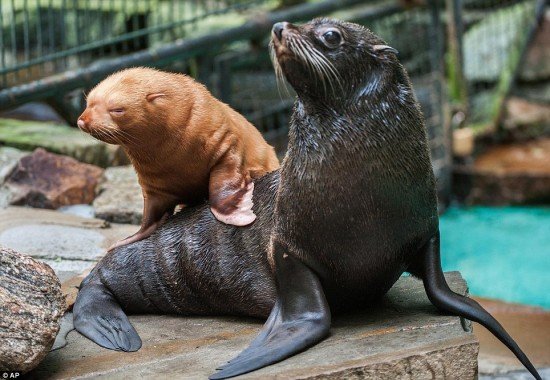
155, 212
428, 268
98, 316
230, 193
299, 319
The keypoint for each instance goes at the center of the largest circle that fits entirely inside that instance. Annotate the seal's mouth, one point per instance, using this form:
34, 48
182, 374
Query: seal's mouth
279, 41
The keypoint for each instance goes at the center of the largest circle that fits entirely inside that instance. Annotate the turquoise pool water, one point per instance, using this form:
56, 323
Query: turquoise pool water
503, 253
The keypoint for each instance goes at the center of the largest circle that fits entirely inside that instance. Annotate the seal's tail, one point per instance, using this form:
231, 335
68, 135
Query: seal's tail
430, 271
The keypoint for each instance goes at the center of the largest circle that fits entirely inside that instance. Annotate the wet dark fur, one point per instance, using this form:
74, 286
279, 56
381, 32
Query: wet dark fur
205, 268
358, 196
354, 206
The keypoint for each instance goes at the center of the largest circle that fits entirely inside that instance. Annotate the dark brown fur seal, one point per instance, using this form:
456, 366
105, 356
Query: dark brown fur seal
185, 144
355, 208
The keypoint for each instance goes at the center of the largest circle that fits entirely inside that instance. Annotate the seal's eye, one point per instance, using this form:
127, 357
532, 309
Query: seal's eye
332, 38
117, 111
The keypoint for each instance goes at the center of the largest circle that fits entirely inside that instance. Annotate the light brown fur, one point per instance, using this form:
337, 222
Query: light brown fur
185, 145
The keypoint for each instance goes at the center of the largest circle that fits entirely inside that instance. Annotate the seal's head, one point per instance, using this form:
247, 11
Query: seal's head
331, 59
119, 109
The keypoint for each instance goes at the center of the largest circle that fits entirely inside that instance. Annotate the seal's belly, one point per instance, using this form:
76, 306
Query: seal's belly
362, 247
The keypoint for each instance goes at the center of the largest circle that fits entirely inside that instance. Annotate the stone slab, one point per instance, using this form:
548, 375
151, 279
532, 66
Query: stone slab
402, 337
68, 243
29, 135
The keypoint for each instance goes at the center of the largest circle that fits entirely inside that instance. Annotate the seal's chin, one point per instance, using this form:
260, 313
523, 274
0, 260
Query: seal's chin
280, 52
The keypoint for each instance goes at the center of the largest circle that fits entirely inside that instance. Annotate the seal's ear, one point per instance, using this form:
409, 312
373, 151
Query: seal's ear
152, 97
382, 49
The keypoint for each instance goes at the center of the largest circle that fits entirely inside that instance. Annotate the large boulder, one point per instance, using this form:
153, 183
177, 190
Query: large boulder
47, 180
31, 308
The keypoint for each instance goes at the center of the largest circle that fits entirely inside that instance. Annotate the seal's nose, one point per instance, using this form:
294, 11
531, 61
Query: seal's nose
81, 124
278, 29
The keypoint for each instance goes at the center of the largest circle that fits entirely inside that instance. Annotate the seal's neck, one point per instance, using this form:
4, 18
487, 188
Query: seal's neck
378, 130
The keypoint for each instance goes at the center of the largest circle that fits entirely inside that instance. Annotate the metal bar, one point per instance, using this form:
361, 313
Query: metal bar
3, 48
459, 89
161, 56
51, 32
26, 48
39, 48
63, 34
13, 37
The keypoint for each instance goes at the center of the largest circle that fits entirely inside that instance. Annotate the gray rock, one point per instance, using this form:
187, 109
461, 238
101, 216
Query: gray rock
46, 180
9, 157
120, 199
32, 306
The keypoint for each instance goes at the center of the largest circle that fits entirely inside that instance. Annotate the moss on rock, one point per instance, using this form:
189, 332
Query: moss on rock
28, 135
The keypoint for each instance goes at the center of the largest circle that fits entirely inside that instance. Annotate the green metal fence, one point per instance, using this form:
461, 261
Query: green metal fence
39, 38
492, 37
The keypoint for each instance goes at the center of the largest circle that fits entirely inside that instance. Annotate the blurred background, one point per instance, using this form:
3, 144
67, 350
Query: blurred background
480, 70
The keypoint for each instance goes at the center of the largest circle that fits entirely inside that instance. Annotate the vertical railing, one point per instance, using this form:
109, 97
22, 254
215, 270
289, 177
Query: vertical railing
486, 41
45, 37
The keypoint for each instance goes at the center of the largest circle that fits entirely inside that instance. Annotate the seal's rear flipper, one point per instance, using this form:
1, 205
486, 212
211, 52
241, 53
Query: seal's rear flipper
98, 316
299, 319
439, 293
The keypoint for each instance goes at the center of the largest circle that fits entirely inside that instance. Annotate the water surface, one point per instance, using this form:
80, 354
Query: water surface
503, 253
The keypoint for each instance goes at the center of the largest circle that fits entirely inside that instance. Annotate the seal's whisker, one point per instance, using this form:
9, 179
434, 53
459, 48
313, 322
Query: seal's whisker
314, 67
125, 135
331, 70
313, 62
108, 133
313, 56
279, 77
318, 63
323, 61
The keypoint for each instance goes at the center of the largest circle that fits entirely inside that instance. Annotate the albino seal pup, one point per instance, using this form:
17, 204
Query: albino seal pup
352, 208
185, 145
